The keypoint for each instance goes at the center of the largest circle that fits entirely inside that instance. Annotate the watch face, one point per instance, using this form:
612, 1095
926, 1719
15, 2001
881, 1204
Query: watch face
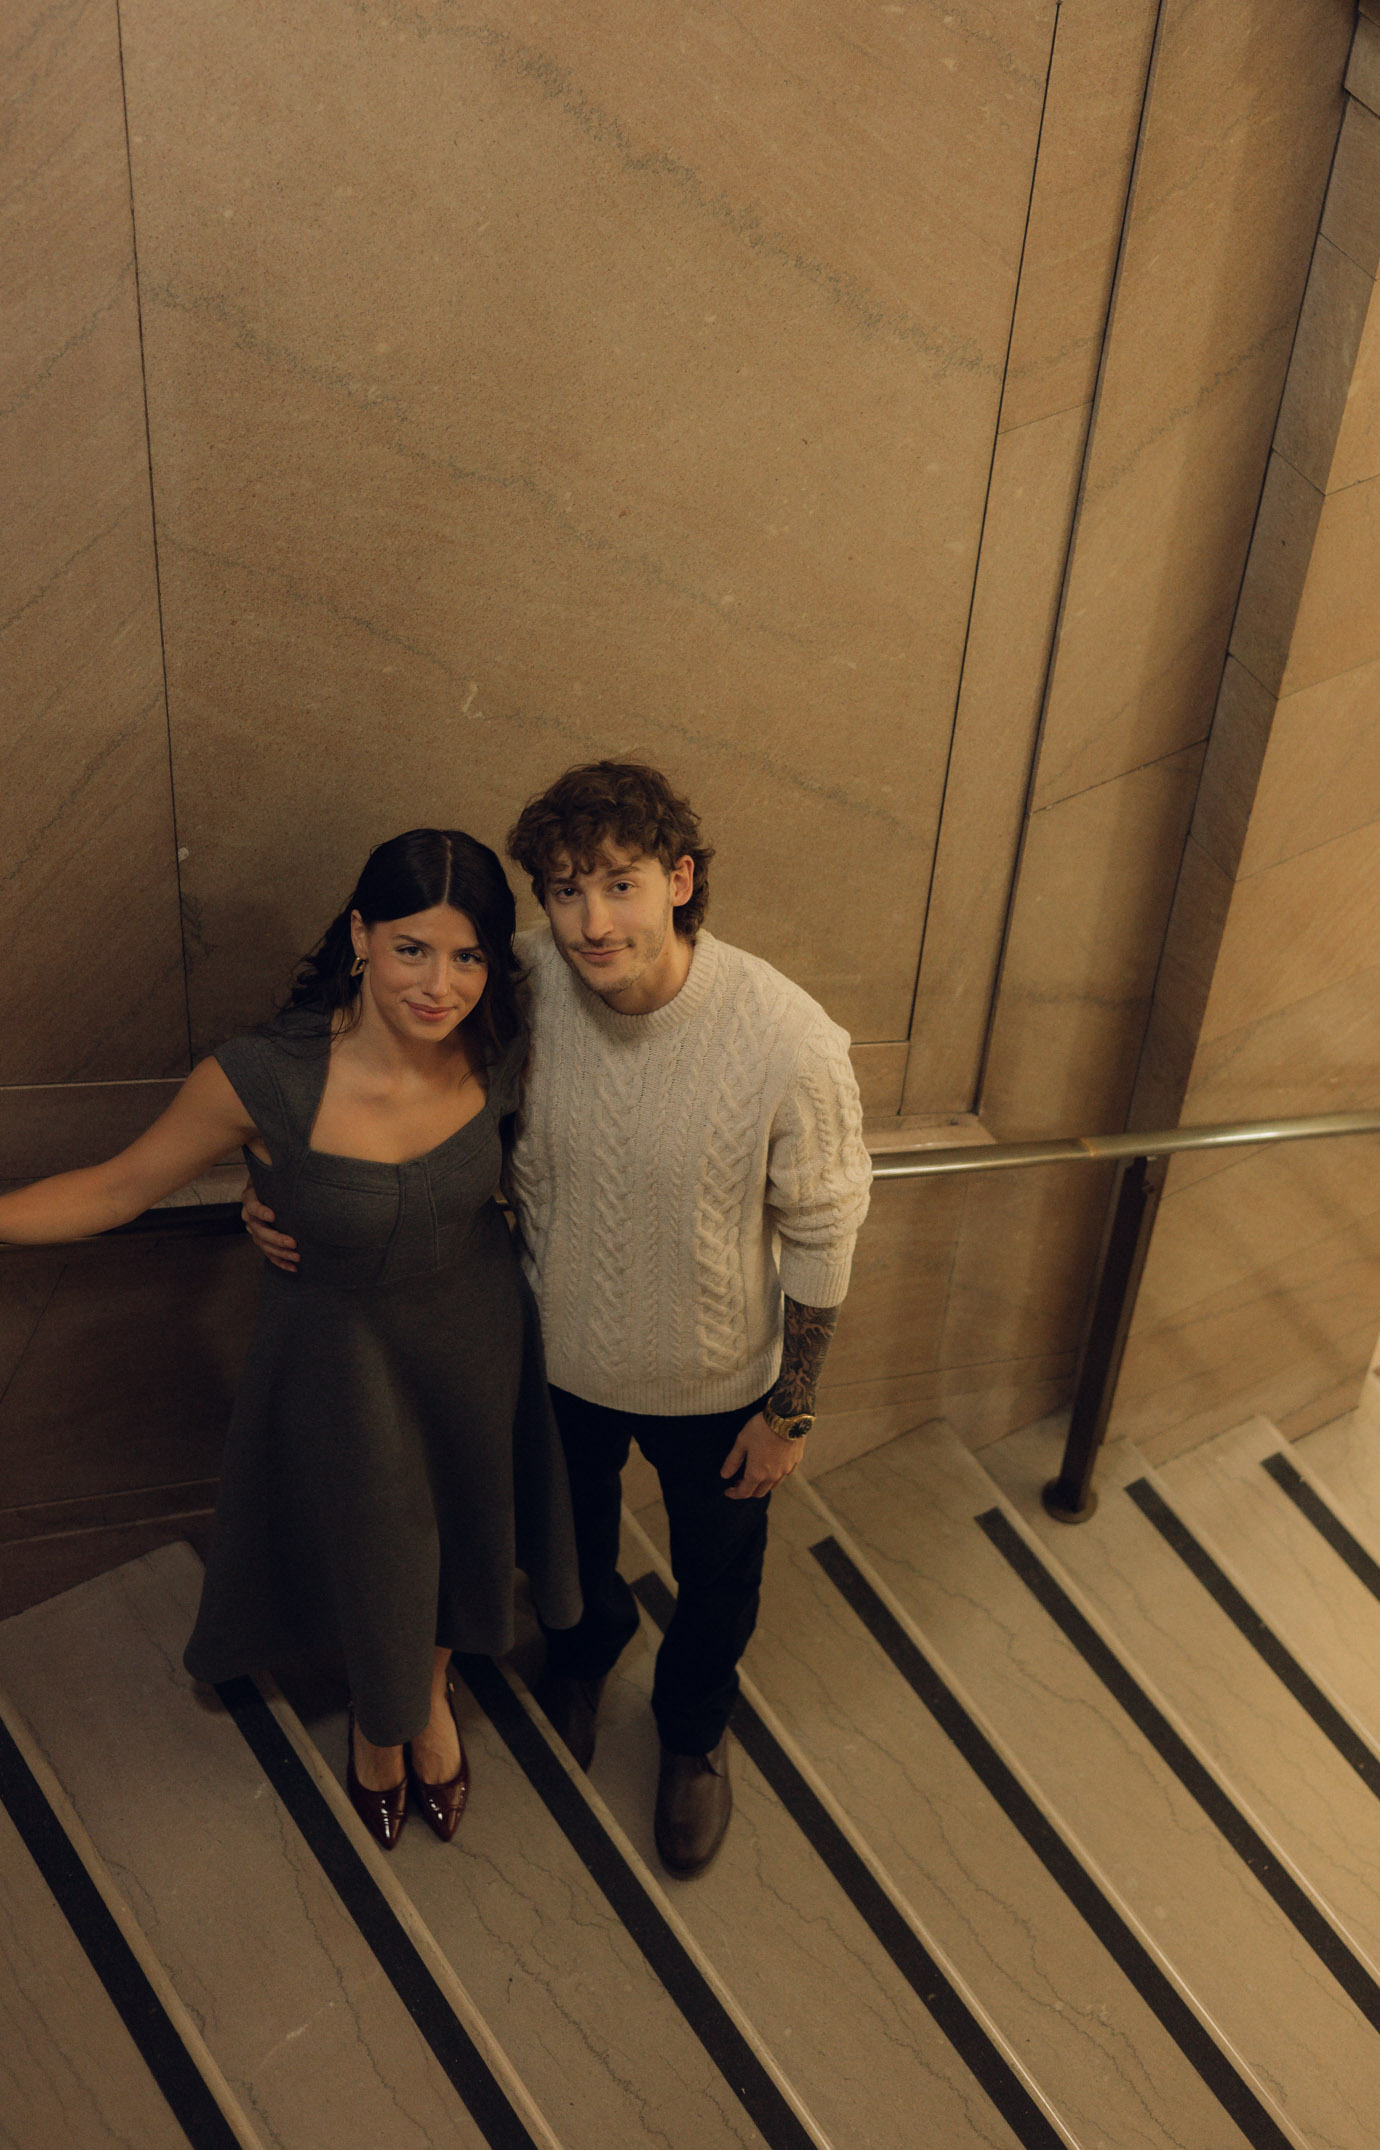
797, 1428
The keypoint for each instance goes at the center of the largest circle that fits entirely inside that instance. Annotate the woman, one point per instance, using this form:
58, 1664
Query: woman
392, 1453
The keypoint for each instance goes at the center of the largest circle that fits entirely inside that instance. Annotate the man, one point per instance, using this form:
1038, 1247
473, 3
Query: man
689, 1177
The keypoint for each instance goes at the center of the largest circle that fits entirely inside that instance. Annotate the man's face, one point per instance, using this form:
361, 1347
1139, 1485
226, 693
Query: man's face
613, 924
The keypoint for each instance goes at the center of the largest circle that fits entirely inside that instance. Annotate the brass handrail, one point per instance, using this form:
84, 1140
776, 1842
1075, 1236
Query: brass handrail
1104, 1149
1141, 1162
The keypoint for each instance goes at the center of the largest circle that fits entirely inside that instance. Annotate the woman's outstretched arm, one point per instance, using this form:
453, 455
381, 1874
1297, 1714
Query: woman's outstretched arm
204, 1120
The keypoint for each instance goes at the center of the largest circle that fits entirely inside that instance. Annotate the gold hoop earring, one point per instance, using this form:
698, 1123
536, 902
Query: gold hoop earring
357, 967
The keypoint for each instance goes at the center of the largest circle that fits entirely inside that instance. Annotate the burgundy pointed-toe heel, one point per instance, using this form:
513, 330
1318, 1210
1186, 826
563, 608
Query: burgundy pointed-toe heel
382, 1813
443, 1804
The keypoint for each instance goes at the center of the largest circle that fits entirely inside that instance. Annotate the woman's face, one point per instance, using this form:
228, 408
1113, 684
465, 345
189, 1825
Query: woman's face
424, 973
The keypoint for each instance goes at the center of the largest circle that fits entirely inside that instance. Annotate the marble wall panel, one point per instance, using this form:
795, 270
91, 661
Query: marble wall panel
980, 1403
893, 1319
881, 1072
1182, 986
1281, 555
1241, 732
1296, 930
1026, 1243
28, 1288
1290, 1338
1318, 1055
54, 1127
1262, 1288
529, 390
93, 975
1277, 568
1235, 153
1324, 382
126, 1377
1338, 624
1321, 778
1351, 214
1234, 158
1087, 146
1235, 149
1264, 1205
1357, 453
1097, 879
1363, 70
39, 1568
1035, 475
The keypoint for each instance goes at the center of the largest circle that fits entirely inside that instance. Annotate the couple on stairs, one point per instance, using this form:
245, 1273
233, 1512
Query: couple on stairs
686, 1165
689, 1176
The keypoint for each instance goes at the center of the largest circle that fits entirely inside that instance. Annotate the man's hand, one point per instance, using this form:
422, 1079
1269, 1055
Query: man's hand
276, 1247
764, 1457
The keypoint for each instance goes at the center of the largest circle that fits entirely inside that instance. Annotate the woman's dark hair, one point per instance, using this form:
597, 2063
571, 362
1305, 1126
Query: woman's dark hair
411, 873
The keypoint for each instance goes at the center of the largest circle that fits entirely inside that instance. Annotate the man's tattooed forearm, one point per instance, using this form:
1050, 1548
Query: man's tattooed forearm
808, 1331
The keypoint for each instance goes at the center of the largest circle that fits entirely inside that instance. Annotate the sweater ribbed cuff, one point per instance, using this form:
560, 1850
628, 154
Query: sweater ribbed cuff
815, 1277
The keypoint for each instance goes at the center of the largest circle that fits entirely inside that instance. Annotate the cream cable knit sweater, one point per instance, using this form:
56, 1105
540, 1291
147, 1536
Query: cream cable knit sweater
674, 1173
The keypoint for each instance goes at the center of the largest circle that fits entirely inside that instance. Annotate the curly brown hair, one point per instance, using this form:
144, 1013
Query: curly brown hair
574, 820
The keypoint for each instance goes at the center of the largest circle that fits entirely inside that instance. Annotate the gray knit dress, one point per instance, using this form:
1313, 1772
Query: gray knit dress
391, 1456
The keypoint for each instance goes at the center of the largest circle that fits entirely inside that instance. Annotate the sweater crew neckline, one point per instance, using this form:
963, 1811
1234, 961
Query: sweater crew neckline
699, 982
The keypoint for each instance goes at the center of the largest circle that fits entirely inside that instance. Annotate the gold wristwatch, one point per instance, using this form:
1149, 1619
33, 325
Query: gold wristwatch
790, 1429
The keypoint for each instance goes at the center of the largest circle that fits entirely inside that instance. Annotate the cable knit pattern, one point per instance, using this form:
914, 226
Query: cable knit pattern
674, 1172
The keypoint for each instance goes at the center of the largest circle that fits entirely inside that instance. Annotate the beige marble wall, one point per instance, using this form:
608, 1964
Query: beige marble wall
1262, 1293
1234, 158
982, 1327
93, 966
1236, 142
1088, 137
522, 389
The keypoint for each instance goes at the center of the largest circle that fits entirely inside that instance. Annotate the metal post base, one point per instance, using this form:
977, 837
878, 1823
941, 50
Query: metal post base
1056, 1503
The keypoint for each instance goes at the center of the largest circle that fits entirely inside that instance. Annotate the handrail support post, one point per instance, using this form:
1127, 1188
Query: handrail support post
1069, 1498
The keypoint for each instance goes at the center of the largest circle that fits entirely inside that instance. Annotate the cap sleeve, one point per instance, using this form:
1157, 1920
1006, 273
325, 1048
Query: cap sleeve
250, 1064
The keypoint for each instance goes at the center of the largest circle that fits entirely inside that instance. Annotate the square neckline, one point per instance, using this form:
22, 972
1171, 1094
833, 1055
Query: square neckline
383, 1164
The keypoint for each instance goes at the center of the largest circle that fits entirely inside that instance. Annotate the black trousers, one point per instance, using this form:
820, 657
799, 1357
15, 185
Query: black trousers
717, 1549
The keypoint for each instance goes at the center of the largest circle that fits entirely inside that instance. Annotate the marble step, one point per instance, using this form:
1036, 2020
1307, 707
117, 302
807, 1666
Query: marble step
1283, 1771
603, 2048
1345, 1456
968, 1882
862, 2051
71, 2074
1311, 2058
91, 2019
314, 2041
1321, 1611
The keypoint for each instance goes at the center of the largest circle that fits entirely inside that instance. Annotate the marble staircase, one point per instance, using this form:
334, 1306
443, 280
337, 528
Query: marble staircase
1043, 1836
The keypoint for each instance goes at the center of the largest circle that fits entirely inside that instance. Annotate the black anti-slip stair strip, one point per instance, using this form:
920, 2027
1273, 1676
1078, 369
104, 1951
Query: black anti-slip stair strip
1261, 1637
1329, 1526
1221, 1810
750, 2081
111, 1958
984, 2060
1127, 1951
398, 1957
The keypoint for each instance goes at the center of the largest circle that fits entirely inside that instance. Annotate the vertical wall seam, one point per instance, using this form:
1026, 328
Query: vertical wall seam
153, 527
1132, 1115
1152, 66
982, 531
